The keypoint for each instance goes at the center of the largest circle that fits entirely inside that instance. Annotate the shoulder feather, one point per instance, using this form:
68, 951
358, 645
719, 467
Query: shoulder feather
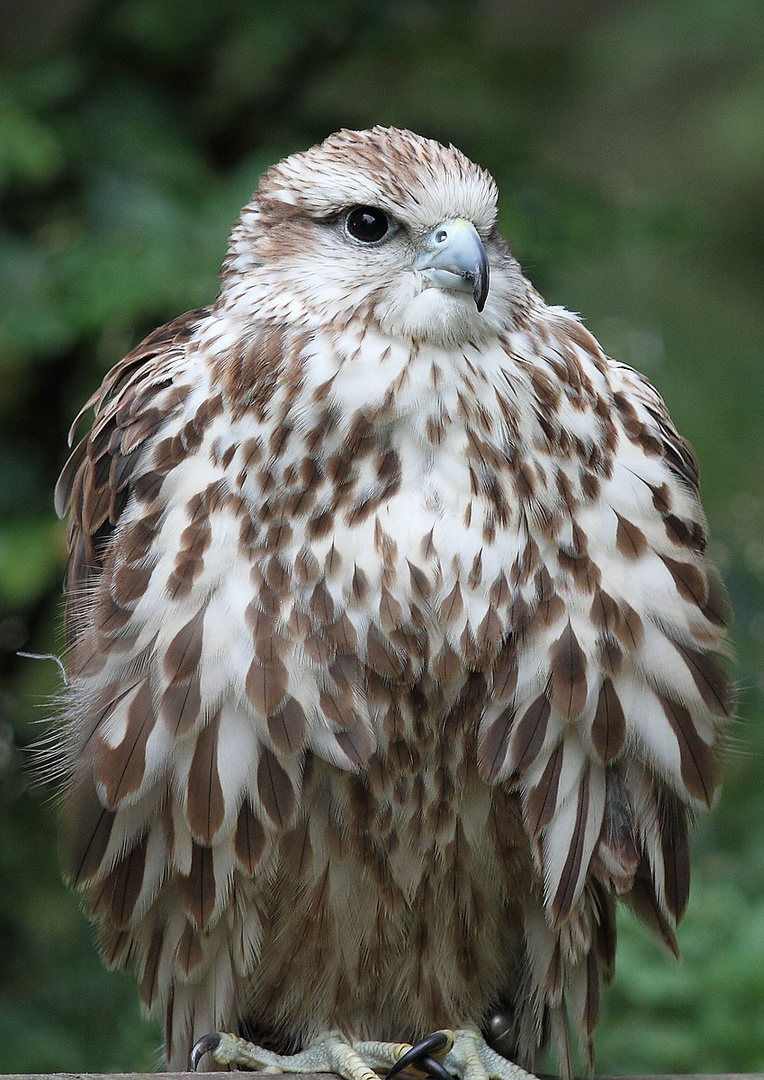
134, 400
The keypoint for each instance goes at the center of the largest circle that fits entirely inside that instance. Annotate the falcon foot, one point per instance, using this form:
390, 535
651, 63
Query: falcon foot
463, 1053
471, 1058
329, 1053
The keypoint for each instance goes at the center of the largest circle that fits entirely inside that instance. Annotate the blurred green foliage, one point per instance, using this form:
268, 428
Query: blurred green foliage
628, 145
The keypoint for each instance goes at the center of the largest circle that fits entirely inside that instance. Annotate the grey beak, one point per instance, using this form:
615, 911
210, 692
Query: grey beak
454, 258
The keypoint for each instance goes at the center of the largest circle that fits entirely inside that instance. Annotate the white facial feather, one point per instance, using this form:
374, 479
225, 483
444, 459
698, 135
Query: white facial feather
290, 251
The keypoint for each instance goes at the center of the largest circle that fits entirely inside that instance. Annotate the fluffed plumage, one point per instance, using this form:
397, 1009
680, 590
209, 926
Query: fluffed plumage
394, 653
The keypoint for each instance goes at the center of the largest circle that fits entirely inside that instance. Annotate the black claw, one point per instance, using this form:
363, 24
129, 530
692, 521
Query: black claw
420, 1056
433, 1068
202, 1046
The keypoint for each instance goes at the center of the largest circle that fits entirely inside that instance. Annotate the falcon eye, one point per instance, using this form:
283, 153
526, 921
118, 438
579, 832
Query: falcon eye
367, 224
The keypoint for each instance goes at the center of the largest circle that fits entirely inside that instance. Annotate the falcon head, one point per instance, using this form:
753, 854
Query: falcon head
381, 223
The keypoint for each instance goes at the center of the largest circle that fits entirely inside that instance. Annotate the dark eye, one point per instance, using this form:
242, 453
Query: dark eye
367, 223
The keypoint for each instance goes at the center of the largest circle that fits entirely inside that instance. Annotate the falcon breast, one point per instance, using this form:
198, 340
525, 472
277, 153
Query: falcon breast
394, 655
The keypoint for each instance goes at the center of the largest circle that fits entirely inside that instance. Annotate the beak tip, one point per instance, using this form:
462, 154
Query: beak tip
480, 291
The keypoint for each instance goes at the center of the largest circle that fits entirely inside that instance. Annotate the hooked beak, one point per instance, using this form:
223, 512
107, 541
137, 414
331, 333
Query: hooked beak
454, 258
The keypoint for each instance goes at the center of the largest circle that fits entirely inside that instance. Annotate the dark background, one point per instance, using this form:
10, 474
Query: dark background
628, 142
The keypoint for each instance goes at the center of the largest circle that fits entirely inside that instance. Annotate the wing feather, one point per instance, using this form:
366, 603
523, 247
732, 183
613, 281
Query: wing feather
611, 724
170, 795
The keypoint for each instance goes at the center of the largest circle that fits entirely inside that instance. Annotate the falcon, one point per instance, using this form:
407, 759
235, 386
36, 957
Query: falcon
394, 657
